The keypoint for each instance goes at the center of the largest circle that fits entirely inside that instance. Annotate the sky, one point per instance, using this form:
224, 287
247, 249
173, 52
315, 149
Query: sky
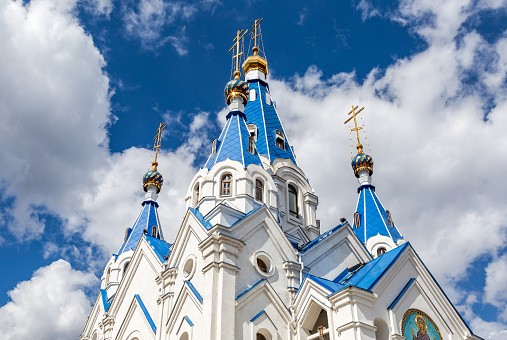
84, 85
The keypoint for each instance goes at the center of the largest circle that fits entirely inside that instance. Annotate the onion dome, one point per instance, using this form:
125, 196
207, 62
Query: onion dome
360, 162
153, 178
236, 88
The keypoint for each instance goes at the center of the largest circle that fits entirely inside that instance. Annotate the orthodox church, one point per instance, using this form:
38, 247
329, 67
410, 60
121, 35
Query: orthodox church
249, 260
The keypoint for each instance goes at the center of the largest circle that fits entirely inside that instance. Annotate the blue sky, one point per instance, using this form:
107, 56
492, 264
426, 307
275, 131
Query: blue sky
84, 85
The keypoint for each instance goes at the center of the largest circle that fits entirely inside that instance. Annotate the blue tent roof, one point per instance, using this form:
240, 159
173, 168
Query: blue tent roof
263, 114
233, 143
373, 217
160, 247
147, 219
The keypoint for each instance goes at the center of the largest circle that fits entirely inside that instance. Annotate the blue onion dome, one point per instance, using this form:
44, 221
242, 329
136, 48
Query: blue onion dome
236, 88
360, 162
154, 178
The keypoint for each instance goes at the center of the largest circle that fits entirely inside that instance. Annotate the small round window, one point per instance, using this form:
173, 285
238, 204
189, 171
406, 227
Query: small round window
189, 268
263, 264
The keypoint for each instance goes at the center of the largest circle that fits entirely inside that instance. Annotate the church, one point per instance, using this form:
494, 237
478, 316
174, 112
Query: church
249, 260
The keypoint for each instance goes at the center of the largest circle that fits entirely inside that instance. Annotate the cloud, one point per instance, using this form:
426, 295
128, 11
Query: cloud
496, 289
51, 305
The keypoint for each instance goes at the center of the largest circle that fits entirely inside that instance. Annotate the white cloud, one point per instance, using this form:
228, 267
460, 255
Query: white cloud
51, 305
496, 287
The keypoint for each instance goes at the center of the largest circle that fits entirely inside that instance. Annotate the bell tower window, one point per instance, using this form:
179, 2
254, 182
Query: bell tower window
196, 194
279, 139
259, 190
293, 200
214, 147
251, 144
226, 185
154, 231
389, 218
357, 220
381, 251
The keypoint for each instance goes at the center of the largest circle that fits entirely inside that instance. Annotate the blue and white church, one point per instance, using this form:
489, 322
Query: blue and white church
249, 260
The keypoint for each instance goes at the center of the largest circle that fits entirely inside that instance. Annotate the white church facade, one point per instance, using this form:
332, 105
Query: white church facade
249, 261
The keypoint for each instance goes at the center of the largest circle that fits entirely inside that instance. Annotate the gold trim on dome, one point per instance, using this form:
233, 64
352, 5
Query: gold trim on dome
421, 313
235, 94
255, 62
363, 167
156, 185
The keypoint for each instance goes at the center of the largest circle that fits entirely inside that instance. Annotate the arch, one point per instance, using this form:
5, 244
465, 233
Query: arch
259, 190
125, 266
184, 336
315, 321
94, 336
154, 231
381, 251
226, 185
382, 330
293, 200
196, 194
263, 334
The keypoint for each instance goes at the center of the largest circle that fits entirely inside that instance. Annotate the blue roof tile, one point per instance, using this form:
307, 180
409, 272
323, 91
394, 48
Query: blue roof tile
160, 247
147, 219
321, 238
373, 217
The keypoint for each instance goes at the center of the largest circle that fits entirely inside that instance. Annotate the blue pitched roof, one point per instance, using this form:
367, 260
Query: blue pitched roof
321, 238
365, 277
105, 302
196, 293
373, 217
148, 217
199, 217
160, 247
265, 117
233, 143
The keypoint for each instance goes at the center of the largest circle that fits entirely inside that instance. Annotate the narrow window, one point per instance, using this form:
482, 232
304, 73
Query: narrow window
125, 267
357, 220
126, 235
251, 144
196, 194
259, 190
389, 218
108, 276
214, 147
268, 98
381, 251
154, 231
253, 95
293, 200
279, 139
226, 185
252, 129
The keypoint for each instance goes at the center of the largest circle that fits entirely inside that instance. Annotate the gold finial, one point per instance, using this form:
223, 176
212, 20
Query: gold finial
156, 146
356, 129
236, 56
254, 35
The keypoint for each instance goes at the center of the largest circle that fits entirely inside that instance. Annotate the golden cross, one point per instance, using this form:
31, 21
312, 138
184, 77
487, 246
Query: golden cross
157, 140
254, 35
356, 129
236, 56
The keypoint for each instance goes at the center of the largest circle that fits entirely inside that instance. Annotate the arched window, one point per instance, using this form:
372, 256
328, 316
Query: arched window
279, 139
125, 267
154, 231
196, 194
251, 144
293, 200
389, 218
381, 251
357, 220
259, 336
382, 330
184, 336
259, 190
226, 185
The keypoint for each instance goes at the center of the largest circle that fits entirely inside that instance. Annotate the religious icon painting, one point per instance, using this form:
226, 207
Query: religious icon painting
416, 325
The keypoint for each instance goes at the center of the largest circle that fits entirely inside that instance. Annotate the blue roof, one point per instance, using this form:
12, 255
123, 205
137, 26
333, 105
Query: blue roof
187, 319
265, 117
373, 217
365, 277
257, 315
160, 247
400, 295
368, 275
199, 217
196, 293
146, 314
321, 238
148, 217
105, 302
233, 143
249, 289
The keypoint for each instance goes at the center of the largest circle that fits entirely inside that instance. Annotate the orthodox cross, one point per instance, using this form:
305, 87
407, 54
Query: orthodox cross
236, 56
254, 35
356, 129
157, 140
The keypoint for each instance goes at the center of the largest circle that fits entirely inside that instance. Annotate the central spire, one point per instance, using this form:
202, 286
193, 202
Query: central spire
255, 66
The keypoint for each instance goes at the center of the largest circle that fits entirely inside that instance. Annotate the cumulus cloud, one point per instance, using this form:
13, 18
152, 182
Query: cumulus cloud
496, 288
51, 305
